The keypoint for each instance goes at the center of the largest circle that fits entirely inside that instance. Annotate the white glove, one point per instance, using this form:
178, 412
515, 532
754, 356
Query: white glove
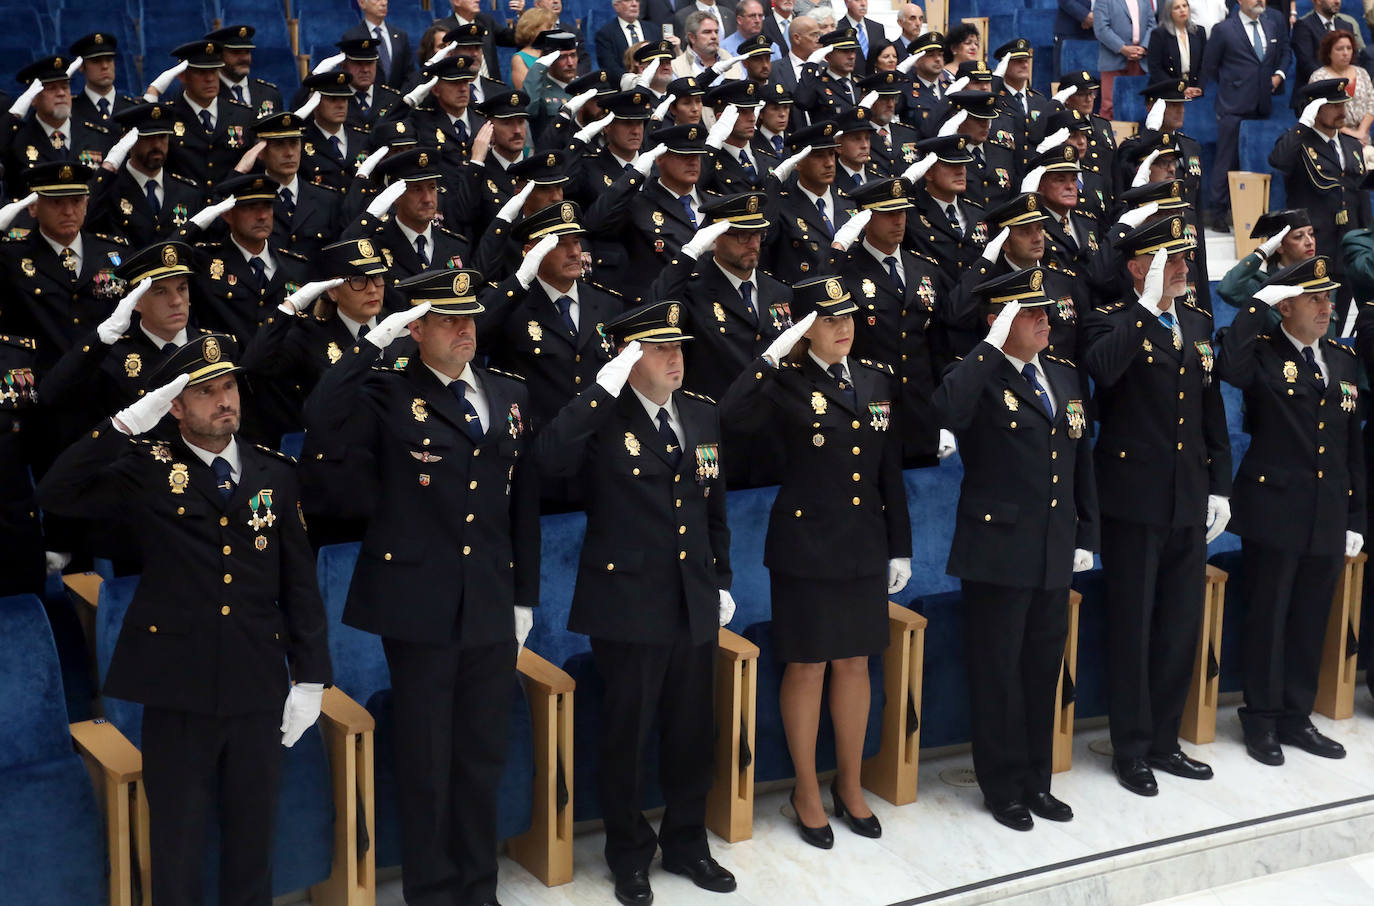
302, 709
1270, 245
898, 572
723, 126
788, 338
1309, 113
416, 96
846, 235
594, 128
869, 99
1031, 182
116, 155
394, 325
951, 125
524, 622
144, 413
1001, 326
907, 64
705, 239
1155, 118
1002, 65
113, 327
1082, 560
548, 59
529, 267
726, 611
206, 216
579, 102
1218, 514
958, 84
784, 169
164, 81
371, 161
818, 55
20, 107
12, 210
304, 110
328, 63
724, 61
1142, 172
1054, 140
616, 372
300, 300
1354, 541
1063, 94
947, 446
994, 248
56, 561
1141, 214
511, 209
386, 198
1153, 290
644, 162
1273, 295
917, 171
74, 65
645, 78
448, 49
662, 109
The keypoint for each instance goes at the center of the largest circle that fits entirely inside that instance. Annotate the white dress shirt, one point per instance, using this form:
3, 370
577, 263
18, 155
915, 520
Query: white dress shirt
1019, 364
881, 257
473, 394
411, 234
1316, 352
574, 310
654, 408
76, 247
354, 326
826, 366
196, 109
269, 266
179, 339
143, 179
230, 454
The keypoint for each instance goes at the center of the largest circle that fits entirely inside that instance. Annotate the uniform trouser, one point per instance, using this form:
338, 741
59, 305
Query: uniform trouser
1154, 577
1287, 598
1015, 643
193, 763
645, 684
451, 706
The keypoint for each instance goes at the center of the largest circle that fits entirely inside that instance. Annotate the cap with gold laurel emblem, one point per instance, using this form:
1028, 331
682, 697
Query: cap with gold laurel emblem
203, 358
948, 149
412, 165
562, 218
361, 50
149, 119
332, 84
349, 258
1016, 49
454, 69
931, 40
248, 187
656, 322
1167, 233
635, 104
1024, 287
888, 83
828, 297
202, 54
58, 178
543, 168
654, 50
94, 46
685, 87
1024, 209
234, 37
46, 69
741, 93
161, 259
1269, 223
1166, 193
744, 211
599, 80
819, 135
506, 105
450, 291
883, 195
1059, 159
689, 138
1312, 274
841, 39
279, 125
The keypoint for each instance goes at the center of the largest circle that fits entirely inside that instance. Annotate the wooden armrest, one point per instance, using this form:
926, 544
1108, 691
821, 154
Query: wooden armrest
102, 742
1215, 574
905, 615
344, 714
85, 586
547, 678
735, 646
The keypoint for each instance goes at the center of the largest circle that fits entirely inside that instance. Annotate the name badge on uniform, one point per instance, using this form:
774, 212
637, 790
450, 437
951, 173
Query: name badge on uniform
708, 461
881, 410
1350, 396
1073, 411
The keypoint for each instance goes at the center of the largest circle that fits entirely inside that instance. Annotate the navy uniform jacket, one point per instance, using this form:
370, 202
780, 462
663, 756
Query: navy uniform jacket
315, 222
223, 606
384, 100
798, 244
959, 309
821, 96
452, 544
83, 108
1079, 251
1336, 197
449, 250
991, 184
657, 547
894, 154
841, 511
1301, 484
721, 171
209, 157
119, 206
224, 293
28, 144
1162, 443
319, 163
658, 227
929, 231
1028, 498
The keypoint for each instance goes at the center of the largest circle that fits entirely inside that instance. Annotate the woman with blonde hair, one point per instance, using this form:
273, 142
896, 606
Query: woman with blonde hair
531, 24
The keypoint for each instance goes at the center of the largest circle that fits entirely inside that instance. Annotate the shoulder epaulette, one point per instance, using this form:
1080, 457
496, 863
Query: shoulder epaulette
1193, 306
454, 233
277, 453
290, 254
323, 185
1114, 306
186, 179
1085, 212
606, 289
699, 396
507, 374
877, 366
117, 240
924, 257
235, 103
1341, 346
95, 127
21, 342
1061, 360
1263, 336
207, 245
259, 81
357, 129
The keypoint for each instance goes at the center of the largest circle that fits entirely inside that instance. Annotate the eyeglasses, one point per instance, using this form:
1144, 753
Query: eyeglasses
358, 284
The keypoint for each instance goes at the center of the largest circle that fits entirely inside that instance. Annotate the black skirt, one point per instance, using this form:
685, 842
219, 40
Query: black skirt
828, 619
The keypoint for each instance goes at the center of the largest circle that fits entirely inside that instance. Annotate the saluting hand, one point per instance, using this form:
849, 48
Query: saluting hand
1155, 118
386, 198
780, 347
958, 84
395, 324
951, 125
1273, 295
1153, 291
1054, 140
917, 171
416, 96
644, 161
720, 130
594, 128
1001, 326
511, 209
300, 300
848, 234
328, 63
1063, 94
113, 327
1270, 245
616, 372
1133, 219
1142, 172
818, 55
1308, 117
115, 159
578, 102
1031, 182
164, 81
705, 239
784, 169
304, 110
994, 248
12, 210
20, 107
529, 267
662, 109
371, 161
1002, 65
145, 412
206, 216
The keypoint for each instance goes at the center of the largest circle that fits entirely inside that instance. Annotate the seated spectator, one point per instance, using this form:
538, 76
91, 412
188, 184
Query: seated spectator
1325, 17
1336, 53
532, 22
1122, 31
1175, 48
882, 57
962, 45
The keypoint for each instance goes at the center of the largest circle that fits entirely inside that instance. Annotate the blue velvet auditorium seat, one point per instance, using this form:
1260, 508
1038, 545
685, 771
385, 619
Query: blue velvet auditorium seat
360, 670
305, 808
1257, 138
52, 847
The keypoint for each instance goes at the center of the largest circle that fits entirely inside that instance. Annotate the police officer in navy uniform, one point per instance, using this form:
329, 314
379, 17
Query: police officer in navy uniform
47, 134
826, 92
806, 204
893, 146
946, 225
212, 130
260, 96
21, 536
1163, 465
1299, 498
448, 571
374, 102
306, 216
226, 616
97, 51
1026, 521
331, 154
652, 588
145, 200
734, 163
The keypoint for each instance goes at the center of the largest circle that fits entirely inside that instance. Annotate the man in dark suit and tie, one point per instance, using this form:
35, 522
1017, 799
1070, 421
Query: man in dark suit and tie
620, 34
1246, 56
868, 33
777, 22
397, 61
722, 10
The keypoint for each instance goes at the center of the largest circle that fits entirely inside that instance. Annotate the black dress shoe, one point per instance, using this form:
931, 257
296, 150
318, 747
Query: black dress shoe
1263, 746
1310, 740
820, 837
705, 873
1012, 814
1181, 765
633, 889
1135, 775
864, 827
1051, 809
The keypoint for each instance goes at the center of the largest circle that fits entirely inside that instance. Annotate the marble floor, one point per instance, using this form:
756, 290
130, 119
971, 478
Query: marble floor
1344, 882
1250, 821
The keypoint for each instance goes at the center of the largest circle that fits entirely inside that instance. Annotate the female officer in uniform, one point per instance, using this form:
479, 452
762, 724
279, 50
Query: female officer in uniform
839, 539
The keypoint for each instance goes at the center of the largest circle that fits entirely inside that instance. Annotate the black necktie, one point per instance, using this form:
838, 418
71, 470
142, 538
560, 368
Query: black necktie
837, 372
461, 130
829, 227
153, 201
747, 164
169, 348
953, 214
363, 329
361, 98
777, 145
665, 433
383, 54
223, 477
471, 423
103, 106
205, 121
420, 250
564, 304
891, 262
1312, 363
240, 96
288, 203
259, 271
746, 292
1028, 372
978, 157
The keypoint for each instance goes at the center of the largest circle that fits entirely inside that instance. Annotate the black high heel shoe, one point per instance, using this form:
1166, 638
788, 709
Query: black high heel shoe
820, 837
864, 827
